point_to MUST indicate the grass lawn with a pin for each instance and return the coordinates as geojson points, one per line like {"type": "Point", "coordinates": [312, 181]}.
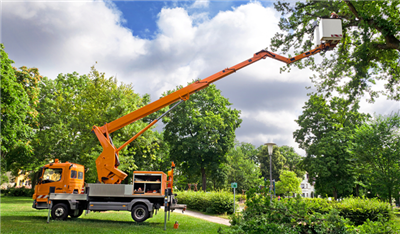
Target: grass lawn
{"type": "Point", "coordinates": [18, 216]}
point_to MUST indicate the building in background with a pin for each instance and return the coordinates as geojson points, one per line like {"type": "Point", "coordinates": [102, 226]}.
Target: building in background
{"type": "Point", "coordinates": [21, 180]}
{"type": "Point", "coordinates": [307, 187]}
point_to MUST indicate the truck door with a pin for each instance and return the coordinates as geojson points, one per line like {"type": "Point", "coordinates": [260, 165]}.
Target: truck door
{"type": "Point", "coordinates": [52, 177]}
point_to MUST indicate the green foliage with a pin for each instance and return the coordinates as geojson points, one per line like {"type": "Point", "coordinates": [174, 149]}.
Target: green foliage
{"type": "Point", "coordinates": [300, 215]}
{"type": "Point", "coordinates": [18, 114]}
{"type": "Point", "coordinates": [289, 183]}
{"type": "Point", "coordinates": [241, 167]}
{"type": "Point", "coordinates": [375, 147]}
{"type": "Point", "coordinates": [285, 216]}
{"type": "Point", "coordinates": [325, 129]}
{"type": "Point", "coordinates": [200, 131]}
{"type": "Point", "coordinates": [211, 202]}
{"type": "Point", "coordinates": [368, 52]}
{"type": "Point", "coordinates": [359, 210]}
{"type": "Point", "coordinates": [293, 160]}
{"type": "Point", "coordinates": [69, 107]}
{"type": "Point", "coordinates": [382, 226]}
{"type": "Point", "coordinates": [278, 162]}
{"type": "Point", "coordinates": [18, 192]}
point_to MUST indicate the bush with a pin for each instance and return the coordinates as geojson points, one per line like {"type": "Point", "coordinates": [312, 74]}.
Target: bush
{"type": "Point", "coordinates": [18, 192]}
{"type": "Point", "coordinates": [211, 202]}
{"type": "Point", "coordinates": [359, 210]}
{"type": "Point", "coordinates": [286, 216]}
{"type": "Point", "coordinates": [300, 215]}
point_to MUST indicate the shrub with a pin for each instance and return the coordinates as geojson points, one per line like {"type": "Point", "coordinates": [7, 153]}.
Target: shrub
{"type": "Point", "coordinates": [286, 216]}
{"type": "Point", "coordinates": [359, 210]}
{"type": "Point", "coordinates": [211, 202]}
{"type": "Point", "coordinates": [383, 225]}
{"type": "Point", "coordinates": [18, 192]}
{"type": "Point", "coordinates": [299, 215]}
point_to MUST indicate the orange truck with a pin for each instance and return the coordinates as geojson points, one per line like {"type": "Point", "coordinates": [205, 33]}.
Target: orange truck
{"type": "Point", "coordinates": [61, 188]}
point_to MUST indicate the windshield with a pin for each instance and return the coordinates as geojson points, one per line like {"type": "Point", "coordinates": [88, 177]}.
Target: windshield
{"type": "Point", "coordinates": [51, 175]}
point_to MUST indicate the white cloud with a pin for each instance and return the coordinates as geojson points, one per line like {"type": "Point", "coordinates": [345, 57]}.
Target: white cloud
{"type": "Point", "coordinates": [200, 4]}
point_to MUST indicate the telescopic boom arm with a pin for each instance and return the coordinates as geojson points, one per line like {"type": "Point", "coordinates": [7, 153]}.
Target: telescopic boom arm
{"type": "Point", "coordinates": [107, 163]}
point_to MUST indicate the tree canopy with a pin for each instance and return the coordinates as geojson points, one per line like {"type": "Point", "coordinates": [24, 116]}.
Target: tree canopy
{"type": "Point", "coordinates": [69, 107]}
{"type": "Point", "coordinates": [293, 160]}
{"type": "Point", "coordinates": [200, 131]}
{"type": "Point", "coordinates": [19, 99]}
{"type": "Point", "coordinates": [278, 162]}
{"type": "Point", "coordinates": [368, 53]}
{"type": "Point", "coordinates": [325, 130]}
{"type": "Point", "coordinates": [288, 184]}
{"type": "Point", "coordinates": [241, 168]}
{"type": "Point", "coordinates": [375, 147]}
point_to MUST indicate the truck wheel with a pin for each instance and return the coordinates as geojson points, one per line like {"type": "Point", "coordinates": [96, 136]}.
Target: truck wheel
{"type": "Point", "coordinates": [75, 213]}
{"type": "Point", "coordinates": [59, 212]}
{"type": "Point", "coordinates": [140, 213]}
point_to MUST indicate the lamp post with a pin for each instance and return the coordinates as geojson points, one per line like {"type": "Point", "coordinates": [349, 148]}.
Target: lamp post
{"type": "Point", "coordinates": [270, 149]}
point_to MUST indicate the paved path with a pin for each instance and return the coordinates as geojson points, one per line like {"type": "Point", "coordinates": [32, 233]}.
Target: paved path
{"type": "Point", "coordinates": [205, 217]}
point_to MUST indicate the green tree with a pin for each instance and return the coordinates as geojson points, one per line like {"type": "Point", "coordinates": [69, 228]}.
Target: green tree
{"type": "Point", "coordinates": [278, 162]}
{"type": "Point", "coordinates": [19, 98]}
{"type": "Point", "coordinates": [369, 50]}
{"type": "Point", "coordinates": [241, 167]}
{"type": "Point", "coordinates": [200, 132]}
{"type": "Point", "coordinates": [292, 160]}
{"type": "Point", "coordinates": [325, 130]}
{"type": "Point", "coordinates": [375, 146]}
{"type": "Point", "coordinates": [69, 107]}
{"type": "Point", "coordinates": [289, 183]}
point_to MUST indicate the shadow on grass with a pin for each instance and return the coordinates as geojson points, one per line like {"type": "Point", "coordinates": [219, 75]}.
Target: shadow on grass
{"type": "Point", "coordinates": [41, 219]}
{"type": "Point", "coordinates": [14, 200]}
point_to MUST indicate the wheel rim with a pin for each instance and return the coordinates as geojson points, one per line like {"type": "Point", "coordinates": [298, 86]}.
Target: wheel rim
{"type": "Point", "coordinates": [59, 212]}
{"type": "Point", "coordinates": [140, 213]}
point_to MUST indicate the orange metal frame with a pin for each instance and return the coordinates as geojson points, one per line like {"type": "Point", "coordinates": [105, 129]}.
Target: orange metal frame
{"type": "Point", "coordinates": [107, 163]}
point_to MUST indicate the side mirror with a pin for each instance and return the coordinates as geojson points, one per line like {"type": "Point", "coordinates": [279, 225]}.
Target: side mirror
{"type": "Point", "coordinates": [39, 180]}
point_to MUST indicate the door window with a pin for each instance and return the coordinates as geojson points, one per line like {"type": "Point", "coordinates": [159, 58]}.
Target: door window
{"type": "Point", "coordinates": [73, 174]}
{"type": "Point", "coordinates": [80, 175]}
{"type": "Point", "coordinates": [51, 175]}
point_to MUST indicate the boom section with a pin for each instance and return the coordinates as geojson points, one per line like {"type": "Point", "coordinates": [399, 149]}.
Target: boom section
{"type": "Point", "coordinates": [185, 92]}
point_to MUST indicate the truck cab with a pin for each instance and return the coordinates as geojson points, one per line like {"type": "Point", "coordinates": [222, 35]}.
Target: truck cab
{"type": "Point", "coordinates": [57, 177]}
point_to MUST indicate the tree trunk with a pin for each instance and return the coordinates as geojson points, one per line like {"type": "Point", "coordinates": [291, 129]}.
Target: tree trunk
{"type": "Point", "coordinates": [203, 178]}
{"type": "Point", "coordinates": [335, 193]}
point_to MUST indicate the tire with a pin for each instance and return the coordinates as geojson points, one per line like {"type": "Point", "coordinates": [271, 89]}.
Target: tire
{"type": "Point", "coordinates": [59, 212]}
{"type": "Point", "coordinates": [140, 213]}
{"type": "Point", "coordinates": [75, 213]}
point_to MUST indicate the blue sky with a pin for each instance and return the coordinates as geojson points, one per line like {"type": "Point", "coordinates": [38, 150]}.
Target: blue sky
{"type": "Point", "coordinates": [141, 16]}
{"type": "Point", "coordinates": [158, 45]}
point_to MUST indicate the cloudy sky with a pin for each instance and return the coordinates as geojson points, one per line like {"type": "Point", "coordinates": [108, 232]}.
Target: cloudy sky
{"type": "Point", "coordinates": [157, 45]}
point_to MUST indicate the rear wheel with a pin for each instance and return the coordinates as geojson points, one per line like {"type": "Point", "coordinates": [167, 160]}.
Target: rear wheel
{"type": "Point", "coordinates": [75, 213]}
{"type": "Point", "coordinates": [59, 212]}
{"type": "Point", "coordinates": [140, 213]}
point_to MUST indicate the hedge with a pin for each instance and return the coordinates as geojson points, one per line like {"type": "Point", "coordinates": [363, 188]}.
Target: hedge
{"type": "Point", "coordinates": [18, 192]}
{"type": "Point", "coordinates": [211, 202]}
{"type": "Point", "coordinates": [357, 210]}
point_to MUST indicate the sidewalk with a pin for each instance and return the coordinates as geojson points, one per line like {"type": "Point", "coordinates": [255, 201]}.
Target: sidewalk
{"type": "Point", "coordinates": [205, 217]}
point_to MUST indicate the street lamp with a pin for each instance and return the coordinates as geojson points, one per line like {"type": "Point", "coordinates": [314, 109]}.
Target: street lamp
{"type": "Point", "coordinates": [270, 149]}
